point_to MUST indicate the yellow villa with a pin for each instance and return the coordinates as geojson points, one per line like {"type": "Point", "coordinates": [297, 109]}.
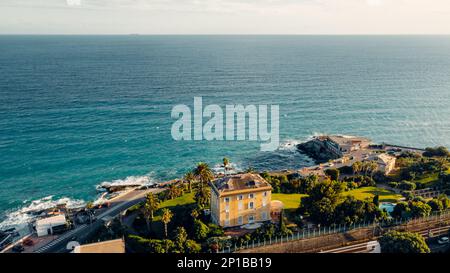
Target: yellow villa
{"type": "Point", "coordinates": [240, 199]}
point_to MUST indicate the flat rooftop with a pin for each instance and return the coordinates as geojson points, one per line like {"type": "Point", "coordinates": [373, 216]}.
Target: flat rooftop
{"type": "Point", "coordinates": [343, 140]}
{"type": "Point", "coordinates": [113, 246]}
{"type": "Point", "coordinates": [58, 219]}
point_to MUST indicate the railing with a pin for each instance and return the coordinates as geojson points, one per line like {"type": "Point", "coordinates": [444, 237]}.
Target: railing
{"type": "Point", "coordinates": [333, 229]}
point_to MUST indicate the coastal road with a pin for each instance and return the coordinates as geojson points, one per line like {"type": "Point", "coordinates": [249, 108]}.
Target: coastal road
{"type": "Point", "coordinates": [118, 205]}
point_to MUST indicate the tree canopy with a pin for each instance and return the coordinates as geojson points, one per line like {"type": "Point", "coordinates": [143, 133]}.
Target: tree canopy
{"type": "Point", "coordinates": [403, 242]}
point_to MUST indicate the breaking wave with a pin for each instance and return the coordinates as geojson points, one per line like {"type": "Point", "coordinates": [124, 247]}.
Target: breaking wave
{"type": "Point", "coordinates": [30, 210]}
{"type": "Point", "coordinates": [130, 181]}
{"type": "Point", "coordinates": [33, 209]}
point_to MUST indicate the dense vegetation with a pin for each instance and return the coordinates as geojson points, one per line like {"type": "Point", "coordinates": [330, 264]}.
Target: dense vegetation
{"type": "Point", "coordinates": [327, 205]}
{"type": "Point", "coordinates": [174, 219]}
{"type": "Point", "coordinates": [403, 242]}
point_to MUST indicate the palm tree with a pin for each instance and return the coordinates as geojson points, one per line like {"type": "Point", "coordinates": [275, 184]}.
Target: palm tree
{"type": "Point", "coordinates": [150, 206]}
{"type": "Point", "coordinates": [181, 238]}
{"type": "Point", "coordinates": [373, 166]}
{"type": "Point", "coordinates": [189, 178]}
{"type": "Point", "coordinates": [203, 174]}
{"type": "Point", "coordinates": [202, 196]}
{"type": "Point", "coordinates": [226, 162]}
{"type": "Point", "coordinates": [166, 218]}
{"type": "Point", "coordinates": [356, 167]}
{"type": "Point", "coordinates": [195, 213]}
{"type": "Point", "coordinates": [173, 191]}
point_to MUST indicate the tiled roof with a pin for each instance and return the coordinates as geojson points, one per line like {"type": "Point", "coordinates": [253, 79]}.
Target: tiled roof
{"type": "Point", "coordinates": [238, 182]}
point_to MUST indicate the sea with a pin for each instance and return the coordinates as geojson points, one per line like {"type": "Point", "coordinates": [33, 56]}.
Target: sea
{"type": "Point", "coordinates": [77, 111]}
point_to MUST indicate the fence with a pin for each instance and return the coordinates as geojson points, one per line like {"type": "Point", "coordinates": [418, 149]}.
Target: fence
{"type": "Point", "coordinates": [334, 229]}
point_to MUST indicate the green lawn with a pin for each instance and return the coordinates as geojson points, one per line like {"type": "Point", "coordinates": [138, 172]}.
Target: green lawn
{"type": "Point", "coordinates": [290, 201]}
{"type": "Point", "coordinates": [175, 205]}
{"type": "Point", "coordinates": [181, 208]}
{"type": "Point", "coordinates": [428, 180]}
{"type": "Point", "coordinates": [186, 199]}
{"type": "Point", "coordinates": [369, 192]}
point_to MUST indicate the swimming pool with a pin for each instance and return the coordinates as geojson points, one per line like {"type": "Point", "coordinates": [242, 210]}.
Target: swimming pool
{"type": "Point", "coordinates": [389, 207]}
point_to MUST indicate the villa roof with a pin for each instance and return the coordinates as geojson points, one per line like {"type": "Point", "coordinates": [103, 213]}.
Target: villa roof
{"type": "Point", "coordinates": [239, 182]}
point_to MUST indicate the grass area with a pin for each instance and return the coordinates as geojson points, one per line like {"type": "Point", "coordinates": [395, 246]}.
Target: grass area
{"type": "Point", "coordinates": [181, 208]}
{"type": "Point", "coordinates": [428, 180]}
{"type": "Point", "coordinates": [175, 205]}
{"type": "Point", "coordinates": [369, 192]}
{"type": "Point", "coordinates": [290, 201]}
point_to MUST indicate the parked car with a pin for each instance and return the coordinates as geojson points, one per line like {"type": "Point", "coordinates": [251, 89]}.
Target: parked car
{"type": "Point", "coordinates": [28, 242]}
{"type": "Point", "coordinates": [443, 241]}
{"type": "Point", "coordinates": [18, 248]}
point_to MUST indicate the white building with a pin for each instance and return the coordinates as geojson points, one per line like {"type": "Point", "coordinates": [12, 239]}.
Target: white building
{"type": "Point", "coordinates": [386, 163]}
{"type": "Point", "coordinates": [51, 225]}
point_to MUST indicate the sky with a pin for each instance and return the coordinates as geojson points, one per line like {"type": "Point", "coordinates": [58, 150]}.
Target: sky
{"type": "Point", "coordinates": [224, 17]}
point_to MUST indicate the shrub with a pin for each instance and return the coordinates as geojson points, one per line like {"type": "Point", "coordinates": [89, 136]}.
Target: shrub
{"type": "Point", "coordinates": [393, 184]}
{"type": "Point", "coordinates": [200, 230]}
{"type": "Point", "coordinates": [438, 151]}
{"type": "Point", "coordinates": [435, 204]}
{"type": "Point", "coordinates": [407, 186]}
{"type": "Point", "coordinates": [333, 174]}
{"type": "Point", "coordinates": [403, 242]}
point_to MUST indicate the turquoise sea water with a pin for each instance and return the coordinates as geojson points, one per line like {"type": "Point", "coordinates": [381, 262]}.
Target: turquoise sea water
{"type": "Point", "coordinates": [79, 110]}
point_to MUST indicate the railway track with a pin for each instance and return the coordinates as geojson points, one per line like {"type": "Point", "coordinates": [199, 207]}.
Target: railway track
{"type": "Point", "coordinates": [373, 246]}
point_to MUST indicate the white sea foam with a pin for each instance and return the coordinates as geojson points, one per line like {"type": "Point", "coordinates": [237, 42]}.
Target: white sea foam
{"type": "Point", "coordinates": [231, 169]}
{"type": "Point", "coordinates": [289, 145]}
{"type": "Point", "coordinates": [130, 181]}
{"type": "Point", "coordinates": [22, 216]}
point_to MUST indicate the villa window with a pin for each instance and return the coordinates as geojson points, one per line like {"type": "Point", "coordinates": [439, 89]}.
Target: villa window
{"type": "Point", "coordinates": [251, 205]}
{"type": "Point", "coordinates": [227, 219]}
{"type": "Point", "coordinates": [240, 220]}
{"type": "Point", "coordinates": [251, 196]}
{"type": "Point", "coordinates": [264, 202]}
{"type": "Point", "coordinates": [240, 197]}
{"type": "Point", "coordinates": [264, 215]}
{"type": "Point", "coordinates": [227, 199]}
{"type": "Point", "coordinates": [265, 194]}
{"type": "Point", "coordinates": [251, 219]}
